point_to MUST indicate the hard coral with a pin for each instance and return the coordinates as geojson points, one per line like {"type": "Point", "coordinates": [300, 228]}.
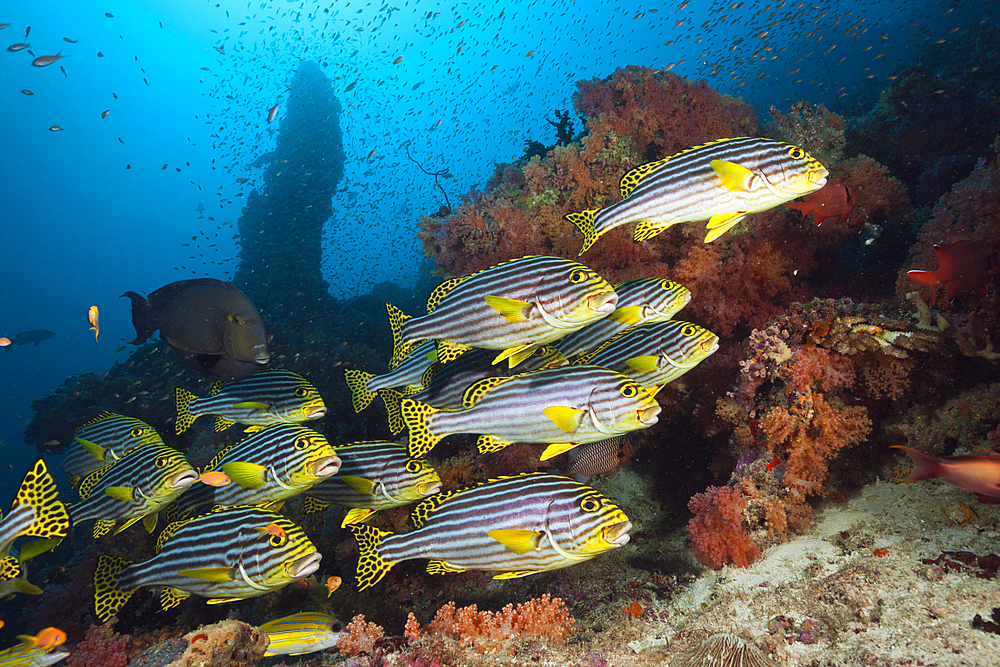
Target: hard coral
{"type": "Point", "coordinates": [717, 534]}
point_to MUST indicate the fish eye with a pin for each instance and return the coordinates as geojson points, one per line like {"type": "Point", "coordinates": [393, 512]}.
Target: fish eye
{"type": "Point", "coordinates": [413, 467]}
{"type": "Point", "coordinates": [162, 462]}
{"type": "Point", "coordinates": [590, 505]}
{"type": "Point", "coordinates": [301, 391]}
{"type": "Point", "coordinates": [630, 391]}
{"type": "Point", "coordinates": [278, 540]}
{"type": "Point", "coordinates": [578, 276]}
{"type": "Point", "coordinates": [335, 627]}
{"type": "Point", "coordinates": [136, 432]}
{"type": "Point", "coordinates": [689, 330]}
{"type": "Point", "coordinates": [301, 443]}
{"type": "Point", "coordinates": [796, 153]}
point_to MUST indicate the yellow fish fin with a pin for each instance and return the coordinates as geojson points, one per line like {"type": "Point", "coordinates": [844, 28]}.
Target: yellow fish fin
{"type": "Point", "coordinates": [311, 506]}
{"type": "Point", "coordinates": [212, 575]}
{"type": "Point", "coordinates": [38, 490]}
{"type": "Point", "coordinates": [720, 224]}
{"type": "Point", "coordinates": [417, 417]}
{"type": "Point", "coordinates": [516, 574]}
{"type": "Point", "coordinates": [556, 449]}
{"type": "Point", "coordinates": [359, 484]}
{"type": "Point", "coordinates": [92, 448]}
{"type": "Point", "coordinates": [632, 178]}
{"type": "Point", "coordinates": [103, 527]}
{"type": "Point", "coordinates": [247, 475]}
{"type": "Point", "coordinates": [441, 567]}
{"type": "Point", "coordinates": [120, 493]}
{"type": "Point", "coordinates": [19, 585]}
{"type": "Point", "coordinates": [253, 429]}
{"type": "Point", "coordinates": [584, 221]}
{"type": "Point", "coordinates": [392, 400]}
{"type": "Point", "coordinates": [520, 354]}
{"type": "Point", "coordinates": [357, 382]}
{"type": "Point", "coordinates": [221, 424]}
{"type": "Point", "coordinates": [490, 443]}
{"type": "Point", "coordinates": [371, 566]}
{"type": "Point", "coordinates": [643, 364]}
{"type": "Point", "coordinates": [442, 290]}
{"type": "Point", "coordinates": [566, 418]}
{"type": "Point", "coordinates": [449, 351]}
{"type": "Point", "coordinates": [356, 515]}
{"type": "Point", "coordinates": [222, 600]}
{"type": "Point", "coordinates": [734, 177]}
{"type": "Point", "coordinates": [216, 387]}
{"type": "Point", "coordinates": [626, 315]}
{"type": "Point", "coordinates": [130, 522]}
{"type": "Point", "coordinates": [149, 521]}
{"type": "Point", "coordinates": [33, 548]}
{"type": "Point", "coordinates": [512, 310]}
{"type": "Point", "coordinates": [252, 405]}
{"type": "Point", "coordinates": [518, 541]}
{"type": "Point", "coordinates": [480, 388]}
{"type": "Point", "coordinates": [399, 349]}
{"type": "Point", "coordinates": [183, 399]}
{"type": "Point", "coordinates": [171, 597]}
{"type": "Point", "coordinates": [108, 597]}
{"type": "Point", "coordinates": [647, 229]}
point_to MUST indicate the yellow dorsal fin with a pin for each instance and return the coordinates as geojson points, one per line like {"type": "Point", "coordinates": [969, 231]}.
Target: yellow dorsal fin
{"type": "Point", "coordinates": [566, 418]}
{"type": "Point", "coordinates": [734, 177]}
{"type": "Point", "coordinates": [631, 179]}
{"type": "Point", "coordinates": [478, 389]}
{"type": "Point", "coordinates": [247, 475]}
{"type": "Point", "coordinates": [90, 481]}
{"type": "Point", "coordinates": [428, 505]}
{"type": "Point", "coordinates": [442, 290]}
{"type": "Point", "coordinates": [512, 310]}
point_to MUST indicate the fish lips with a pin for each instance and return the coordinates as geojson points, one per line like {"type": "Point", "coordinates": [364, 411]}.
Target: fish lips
{"type": "Point", "coordinates": [429, 489]}
{"type": "Point", "coordinates": [649, 415]}
{"type": "Point", "coordinates": [316, 413]}
{"type": "Point", "coordinates": [183, 479]}
{"type": "Point", "coordinates": [303, 567]}
{"type": "Point", "coordinates": [604, 302]}
{"type": "Point", "coordinates": [326, 466]}
{"type": "Point", "coordinates": [617, 534]}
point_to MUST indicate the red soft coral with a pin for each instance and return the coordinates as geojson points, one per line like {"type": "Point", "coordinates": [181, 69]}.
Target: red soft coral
{"type": "Point", "coordinates": [716, 530]}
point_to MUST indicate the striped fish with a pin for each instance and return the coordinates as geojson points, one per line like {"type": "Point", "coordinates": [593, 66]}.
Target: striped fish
{"type": "Point", "coordinates": [515, 307]}
{"type": "Point", "coordinates": [515, 526]}
{"type": "Point", "coordinates": [408, 376]}
{"type": "Point", "coordinates": [305, 632]}
{"type": "Point", "coordinates": [656, 353]}
{"type": "Point", "coordinates": [266, 469]}
{"type": "Point", "coordinates": [446, 383]}
{"type": "Point", "coordinates": [225, 555]}
{"type": "Point", "coordinates": [722, 181]}
{"type": "Point", "coordinates": [639, 301]}
{"type": "Point", "coordinates": [265, 398]}
{"type": "Point", "coordinates": [103, 440]}
{"type": "Point", "coordinates": [143, 482]}
{"type": "Point", "coordinates": [600, 458]}
{"type": "Point", "coordinates": [374, 476]}
{"type": "Point", "coordinates": [24, 655]}
{"type": "Point", "coordinates": [564, 407]}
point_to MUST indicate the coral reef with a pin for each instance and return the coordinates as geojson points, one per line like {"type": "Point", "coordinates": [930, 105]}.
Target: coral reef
{"type": "Point", "coordinates": [717, 533]}
{"type": "Point", "coordinates": [541, 618]}
{"type": "Point", "coordinates": [359, 636]}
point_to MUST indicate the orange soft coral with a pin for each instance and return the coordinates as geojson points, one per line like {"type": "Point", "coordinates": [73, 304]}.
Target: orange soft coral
{"type": "Point", "coordinates": [717, 534]}
{"type": "Point", "coordinates": [540, 618]}
{"type": "Point", "coordinates": [359, 636]}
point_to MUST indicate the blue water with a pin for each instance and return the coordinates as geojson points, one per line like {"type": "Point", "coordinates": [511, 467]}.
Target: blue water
{"type": "Point", "coordinates": [79, 227]}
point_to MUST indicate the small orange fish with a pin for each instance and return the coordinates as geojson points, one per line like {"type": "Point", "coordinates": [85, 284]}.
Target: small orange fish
{"type": "Point", "coordinates": [214, 478]}
{"type": "Point", "coordinates": [47, 639]}
{"type": "Point", "coordinates": [92, 315]}
{"type": "Point", "coordinates": [975, 473]}
{"type": "Point", "coordinates": [332, 584]}
{"type": "Point", "coordinates": [4, 342]}
{"type": "Point", "coordinates": [529, 54]}
{"type": "Point", "coordinates": [370, 155]}
{"type": "Point", "coordinates": [273, 529]}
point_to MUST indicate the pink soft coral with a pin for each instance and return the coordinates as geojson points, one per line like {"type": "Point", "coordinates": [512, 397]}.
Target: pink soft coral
{"type": "Point", "coordinates": [717, 534]}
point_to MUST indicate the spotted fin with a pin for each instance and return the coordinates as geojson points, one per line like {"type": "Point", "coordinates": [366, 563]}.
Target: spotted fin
{"type": "Point", "coordinates": [171, 597]}
{"type": "Point", "coordinates": [216, 387]}
{"type": "Point", "coordinates": [449, 351]}
{"type": "Point", "coordinates": [311, 506]}
{"type": "Point", "coordinates": [441, 567]}
{"type": "Point", "coordinates": [647, 229]}
{"type": "Point", "coordinates": [221, 424]}
{"type": "Point", "coordinates": [518, 541]}
{"type": "Point", "coordinates": [38, 490]}
{"type": "Point", "coordinates": [490, 443]}
{"type": "Point", "coordinates": [442, 290]}
{"type": "Point", "coordinates": [108, 598]}
{"type": "Point", "coordinates": [357, 382]}
{"type": "Point", "coordinates": [632, 178]}
{"type": "Point", "coordinates": [183, 399]}
{"type": "Point", "coordinates": [584, 221]}
{"type": "Point", "coordinates": [371, 566]}
{"type": "Point", "coordinates": [103, 527]}
{"type": "Point", "coordinates": [399, 349]}
{"type": "Point", "coordinates": [480, 388]}
{"type": "Point", "coordinates": [417, 415]}
{"type": "Point", "coordinates": [392, 401]}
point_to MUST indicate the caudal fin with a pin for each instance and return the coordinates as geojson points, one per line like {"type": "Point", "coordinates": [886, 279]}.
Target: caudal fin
{"type": "Point", "coordinates": [584, 221]}
{"type": "Point", "coordinates": [38, 491]}
{"type": "Point", "coordinates": [357, 382]}
{"type": "Point", "coordinates": [108, 597]}
{"type": "Point", "coordinates": [924, 467]}
{"type": "Point", "coordinates": [184, 417]}
{"type": "Point", "coordinates": [141, 317]}
{"type": "Point", "coordinates": [371, 566]}
{"type": "Point", "coordinates": [416, 416]}
{"type": "Point", "coordinates": [926, 278]}
{"type": "Point", "coordinates": [399, 348]}
{"type": "Point", "coordinates": [393, 399]}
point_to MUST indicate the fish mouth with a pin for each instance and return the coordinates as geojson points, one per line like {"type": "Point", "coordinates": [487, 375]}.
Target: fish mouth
{"type": "Point", "coordinates": [183, 479]}
{"type": "Point", "coordinates": [303, 567]}
{"type": "Point", "coordinates": [429, 489]}
{"type": "Point", "coordinates": [617, 534]}
{"type": "Point", "coordinates": [316, 413]}
{"type": "Point", "coordinates": [262, 358]}
{"type": "Point", "coordinates": [605, 302]}
{"type": "Point", "coordinates": [326, 466]}
{"type": "Point", "coordinates": [649, 415]}
{"type": "Point", "coordinates": [819, 176]}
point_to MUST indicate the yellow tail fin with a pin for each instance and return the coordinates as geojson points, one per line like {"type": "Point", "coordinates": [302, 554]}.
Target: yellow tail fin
{"type": "Point", "coordinates": [184, 416]}
{"type": "Point", "coordinates": [108, 597]}
{"type": "Point", "coordinates": [416, 416]}
{"type": "Point", "coordinates": [38, 490]}
{"type": "Point", "coordinates": [399, 348]}
{"type": "Point", "coordinates": [357, 382]}
{"type": "Point", "coordinates": [392, 400]}
{"type": "Point", "coordinates": [371, 567]}
{"type": "Point", "coordinates": [584, 221]}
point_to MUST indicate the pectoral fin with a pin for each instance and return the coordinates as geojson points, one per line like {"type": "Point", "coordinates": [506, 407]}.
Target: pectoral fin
{"type": "Point", "coordinates": [120, 493]}
{"type": "Point", "coordinates": [627, 315]}
{"type": "Point", "coordinates": [516, 355]}
{"type": "Point", "coordinates": [734, 177]}
{"type": "Point", "coordinates": [720, 224]}
{"type": "Point", "coordinates": [566, 418]}
{"type": "Point", "coordinates": [359, 484]}
{"type": "Point", "coordinates": [512, 310]}
{"type": "Point", "coordinates": [247, 475]}
{"type": "Point", "coordinates": [356, 515]}
{"type": "Point", "coordinates": [92, 448]}
{"type": "Point", "coordinates": [518, 541]}
{"type": "Point", "coordinates": [644, 364]}
{"type": "Point", "coordinates": [212, 575]}
{"type": "Point", "coordinates": [252, 405]}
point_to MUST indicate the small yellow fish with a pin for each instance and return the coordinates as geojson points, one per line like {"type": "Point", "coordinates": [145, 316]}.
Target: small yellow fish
{"type": "Point", "coordinates": [47, 639]}
{"type": "Point", "coordinates": [214, 478]}
{"type": "Point", "coordinates": [92, 315]}
{"type": "Point", "coordinates": [332, 584]}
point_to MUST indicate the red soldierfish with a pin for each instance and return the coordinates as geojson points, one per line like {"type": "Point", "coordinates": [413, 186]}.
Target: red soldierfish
{"type": "Point", "coordinates": [272, 113]}
{"type": "Point", "coordinates": [832, 200]}
{"type": "Point", "coordinates": [976, 473]}
{"type": "Point", "coordinates": [962, 267]}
